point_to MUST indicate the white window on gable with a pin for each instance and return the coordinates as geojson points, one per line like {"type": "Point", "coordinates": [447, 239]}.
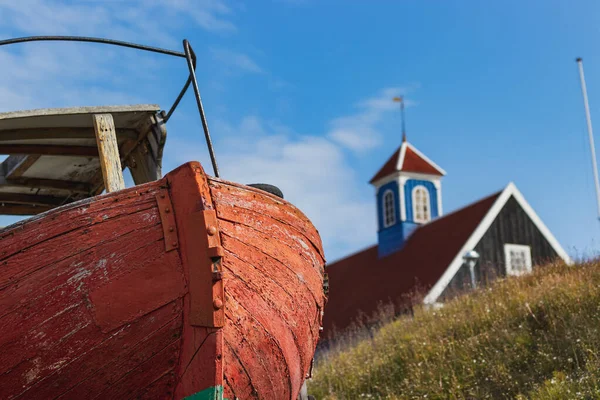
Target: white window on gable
{"type": "Point", "coordinates": [420, 204]}
{"type": "Point", "coordinates": [389, 209]}
{"type": "Point", "coordinates": [517, 258]}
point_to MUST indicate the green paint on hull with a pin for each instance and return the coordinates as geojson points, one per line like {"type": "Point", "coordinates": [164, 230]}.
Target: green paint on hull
{"type": "Point", "coordinates": [213, 393]}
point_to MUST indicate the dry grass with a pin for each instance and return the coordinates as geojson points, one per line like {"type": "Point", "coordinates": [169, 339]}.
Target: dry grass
{"type": "Point", "coordinates": [534, 337]}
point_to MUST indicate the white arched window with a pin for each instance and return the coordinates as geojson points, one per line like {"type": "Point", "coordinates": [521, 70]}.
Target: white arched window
{"type": "Point", "coordinates": [389, 209]}
{"type": "Point", "coordinates": [420, 204]}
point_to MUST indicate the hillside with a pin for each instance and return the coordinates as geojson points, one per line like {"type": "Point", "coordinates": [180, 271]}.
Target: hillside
{"type": "Point", "coordinates": [534, 337]}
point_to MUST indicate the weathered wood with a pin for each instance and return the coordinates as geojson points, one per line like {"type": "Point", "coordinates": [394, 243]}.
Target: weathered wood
{"type": "Point", "coordinates": [31, 199]}
{"type": "Point", "coordinates": [99, 362]}
{"type": "Point", "coordinates": [18, 165]}
{"type": "Point", "coordinates": [36, 183]}
{"type": "Point", "coordinates": [273, 256]}
{"type": "Point", "coordinates": [255, 201]}
{"type": "Point", "coordinates": [285, 256]}
{"type": "Point", "coordinates": [144, 165]}
{"type": "Point", "coordinates": [108, 150]}
{"type": "Point", "coordinates": [144, 157]}
{"type": "Point", "coordinates": [52, 150]}
{"type": "Point", "coordinates": [256, 348]}
{"type": "Point", "coordinates": [19, 209]}
{"type": "Point", "coordinates": [99, 308]}
{"type": "Point", "coordinates": [291, 320]}
{"type": "Point", "coordinates": [201, 362]}
{"type": "Point", "coordinates": [54, 291]}
{"type": "Point", "coordinates": [74, 115]}
{"type": "Point", "coordinates": [237, 382]}
{"type": "Point", "coordinates": [60, 133]}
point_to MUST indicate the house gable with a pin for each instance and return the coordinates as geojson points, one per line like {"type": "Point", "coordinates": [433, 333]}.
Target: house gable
{"type": "Point", "coordinates": [497, 232]}
{"type": "Point", "coordinates": [511, 226]}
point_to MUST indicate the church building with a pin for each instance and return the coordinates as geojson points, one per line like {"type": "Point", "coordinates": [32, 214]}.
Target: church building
{"type": "Point", "coordinates": [421, 250]}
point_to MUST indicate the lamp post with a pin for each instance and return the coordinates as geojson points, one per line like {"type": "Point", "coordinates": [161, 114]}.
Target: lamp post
{"type": "Point", "coordinates": [471, 258]}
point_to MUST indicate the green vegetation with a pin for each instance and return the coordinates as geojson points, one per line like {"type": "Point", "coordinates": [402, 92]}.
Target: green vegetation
{"type": "Point", "coordinates": [533, 337]}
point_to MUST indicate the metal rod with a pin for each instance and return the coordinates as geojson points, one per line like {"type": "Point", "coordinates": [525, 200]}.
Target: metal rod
{"type": "Point", "coordinates": [472, 273]}
{"type": "Point", "coordinates": [188, 54]}
{"type": "Point", "coordinates": [402, 116]}
{"type": "Point", "coordinates": [178, 99]}
{"type": "Point", "coordinates": [92, 40]}
{"type": "Point", "coordinates": [590, 131]}
{"type": "Point", "coordinates": [191, 57]}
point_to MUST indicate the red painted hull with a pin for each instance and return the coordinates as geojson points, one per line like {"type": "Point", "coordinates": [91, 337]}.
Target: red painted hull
{"type": "Point", "coordinates": [106, 298]}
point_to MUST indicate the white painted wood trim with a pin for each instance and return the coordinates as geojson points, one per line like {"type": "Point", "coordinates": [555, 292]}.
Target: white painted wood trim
{"type": "Point", "coordinates": [383, 209]}
{"type": "Point", "coordinates": [435, 179]}
{"type": "Point", "coordinates": [541, 226]}
{"type": "Point", "coordinates": [508, 247]}
{"type": "Point", "coordinates": [387, 179]}
{"type": "Point", "coordinates": [424, 177]}
{"type": "Point", "coordinates": [510, 190]}
{"type": "Point", "coordinates": [438, 189]}
{"type": "Point", "coordinates": [401, 183]}
{"type": "Point", "coordinates": [414, 204]}
{"type": "Point", "coordinates": [401, 156]}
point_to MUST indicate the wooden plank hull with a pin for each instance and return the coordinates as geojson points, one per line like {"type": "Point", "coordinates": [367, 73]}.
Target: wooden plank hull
{"type": "Point", "coordinates": [108, 298]}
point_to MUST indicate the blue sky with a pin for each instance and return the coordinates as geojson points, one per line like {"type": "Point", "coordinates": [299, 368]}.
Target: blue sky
{"type": "Point", "coordinates": [298, 94]}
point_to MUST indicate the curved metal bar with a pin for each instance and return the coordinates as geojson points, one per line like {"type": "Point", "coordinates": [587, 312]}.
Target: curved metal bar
{"type": "Point", "coordinates": [191, 61]}
{"type": "Point", "coordinates": [178, 99]}
{"type": "Point", "coordinates": [188, 54]}
{"type": "Point", "coordinates": [92, 40]}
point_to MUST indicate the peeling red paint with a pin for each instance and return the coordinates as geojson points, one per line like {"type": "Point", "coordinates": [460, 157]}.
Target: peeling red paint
{"type": "Point", "coordinates": [98, 308]}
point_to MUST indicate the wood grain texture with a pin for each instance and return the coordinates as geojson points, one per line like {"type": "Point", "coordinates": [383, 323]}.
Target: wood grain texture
{"type": "Point", "coordinates": [274, 268]}
{"type": "Point", "coordinates": [108, 151]}
{"type": "Point", "coordinates": [201, 360]}
{"type": "Point", "coordinates": [98, 309]}
{"type": "Point", "coordinates": [72, 288]}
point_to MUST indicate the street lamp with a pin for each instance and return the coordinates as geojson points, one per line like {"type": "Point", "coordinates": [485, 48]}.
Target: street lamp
{"type": "Point", "coordinates": [471, 258]}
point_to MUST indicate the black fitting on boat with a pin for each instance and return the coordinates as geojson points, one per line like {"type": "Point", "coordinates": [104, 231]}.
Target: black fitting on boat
{"type": "Point", "coordinates": [268, 188]}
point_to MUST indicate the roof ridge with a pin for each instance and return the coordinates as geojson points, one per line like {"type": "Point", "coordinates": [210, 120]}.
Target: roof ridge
{"type": "Point", "coordinates": [496, 194]}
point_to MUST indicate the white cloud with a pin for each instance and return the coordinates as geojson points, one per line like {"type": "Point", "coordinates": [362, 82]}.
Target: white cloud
{"type": "Point", "coordinates": [358, 132]}
{"type": "Point", "coordinates": [312, 172]}
{"type": "Point", "coordinates": [135, 19]}
{"type": "Point", "coordinates": [311, 168]}
{"type": "Point", "coordinates": [235, 59]}
{"type": "Point", "coordinates": [50, 75]}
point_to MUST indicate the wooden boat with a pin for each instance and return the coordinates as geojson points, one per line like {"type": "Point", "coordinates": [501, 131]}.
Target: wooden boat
{"type": "Point", "coordinates": [183, 286]}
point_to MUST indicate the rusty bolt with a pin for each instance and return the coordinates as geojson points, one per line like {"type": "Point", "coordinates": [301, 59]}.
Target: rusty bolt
{"type": "Point", "coordinates": [167, 209]}
{"type": "Point", "coordinates": [162, 195]}
{"type": "Point", "coordinates": [218, 304]}
{"type": "Point", "coordinates": [212, 230]}
{"type": "Point", "coordinates": [174, 243]}
{"type": "Point", "coordinates": [171, 229]}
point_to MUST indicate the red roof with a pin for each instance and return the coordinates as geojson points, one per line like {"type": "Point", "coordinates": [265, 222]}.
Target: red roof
{"type": "Point", "coordinates": [389, 167]}
{"type": "Point", "coordinates": [409, 160]}
{"type": "Point", "coordinates": [361, 282]}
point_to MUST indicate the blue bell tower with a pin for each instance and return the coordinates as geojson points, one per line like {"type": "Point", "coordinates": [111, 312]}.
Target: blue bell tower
{"type": "Point", "coordinates": [408, 192]}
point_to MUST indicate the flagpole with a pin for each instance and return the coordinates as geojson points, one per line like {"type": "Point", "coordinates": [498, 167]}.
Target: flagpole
{"type": "Point", "coordinates": [590, 131]}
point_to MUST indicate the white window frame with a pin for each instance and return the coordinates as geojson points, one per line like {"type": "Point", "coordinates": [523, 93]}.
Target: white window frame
{"type": "Point", "coordinates": [387, 222]}
{"type": "Point", "coordinates": [510, 247]}
{"type": "Point", "coordinates": [427, 202]}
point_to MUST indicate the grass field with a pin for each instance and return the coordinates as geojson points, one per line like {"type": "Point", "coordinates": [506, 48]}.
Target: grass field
{"type": "Point", "coordinates": [533, 337]}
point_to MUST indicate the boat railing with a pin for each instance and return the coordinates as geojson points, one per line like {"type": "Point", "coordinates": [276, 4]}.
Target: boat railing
{"type": "Point", "coordinates": [188, 54]}
{"type": "Point", "coordinates": [57, 156]}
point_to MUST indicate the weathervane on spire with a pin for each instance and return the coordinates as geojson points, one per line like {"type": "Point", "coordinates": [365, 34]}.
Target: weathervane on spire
{"type": "Point", "coordinates": [401, 101]}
